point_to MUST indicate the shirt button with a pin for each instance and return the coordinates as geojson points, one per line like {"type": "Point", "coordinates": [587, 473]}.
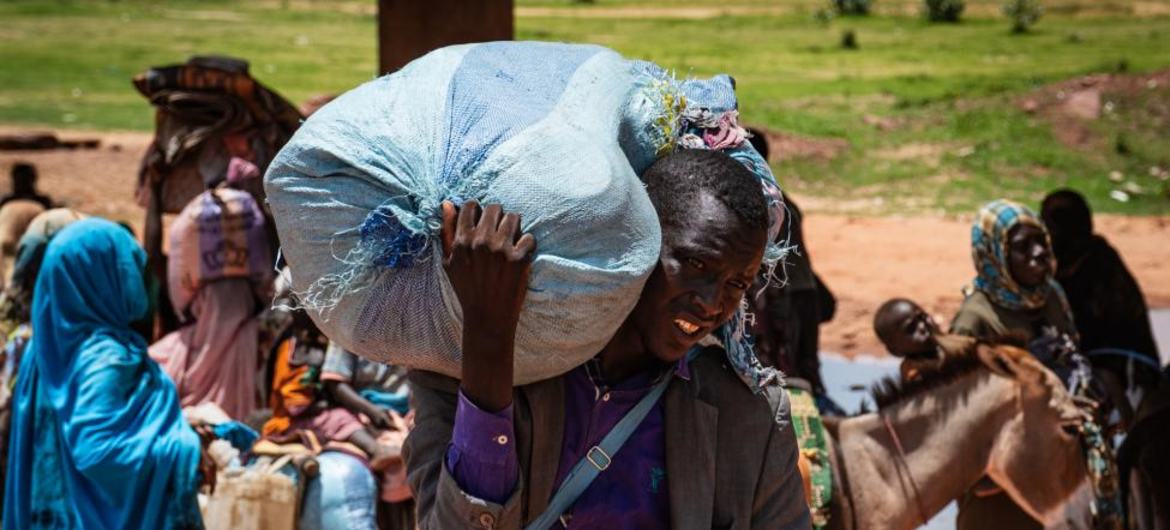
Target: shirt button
{"type": "Point", "coordinates": [502, 440]}
{"type": "Point", "coordinates": [487, 520]}
{"type": "Point", "coordinates": [605, 397]}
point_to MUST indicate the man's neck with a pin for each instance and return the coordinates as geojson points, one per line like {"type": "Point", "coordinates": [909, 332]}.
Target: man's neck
{"type": "Point", "coordinates": [625, 355]}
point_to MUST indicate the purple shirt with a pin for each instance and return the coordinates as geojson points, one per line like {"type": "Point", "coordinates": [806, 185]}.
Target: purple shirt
{"type": "Point", "coordinates": [631, 493]}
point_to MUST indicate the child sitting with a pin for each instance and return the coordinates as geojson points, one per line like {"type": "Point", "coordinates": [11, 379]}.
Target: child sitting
{"type": "Point", "coordinates": [297, 408]}
{"type": "Point", "coordinates": [910, 333]}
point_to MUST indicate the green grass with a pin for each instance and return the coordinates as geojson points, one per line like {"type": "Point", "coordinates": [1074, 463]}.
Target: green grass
{"type": "Point", "coordinates": [952, 88]}
{"type": "Point", "coordinates": [70, 63]}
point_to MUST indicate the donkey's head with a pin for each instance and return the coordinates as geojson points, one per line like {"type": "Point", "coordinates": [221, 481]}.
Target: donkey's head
{"type": "Point", "coordinates": [1037, 455]}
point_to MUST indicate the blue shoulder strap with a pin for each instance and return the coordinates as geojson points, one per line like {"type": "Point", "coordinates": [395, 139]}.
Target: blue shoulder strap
{"type": "Point", "coordinates": [599, 457]}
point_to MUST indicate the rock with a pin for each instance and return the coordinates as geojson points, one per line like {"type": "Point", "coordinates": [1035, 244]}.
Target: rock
{"type": "Point", "coordinates": [879, 122]}
{"type": "Point", "coordinates": [1084, 104]}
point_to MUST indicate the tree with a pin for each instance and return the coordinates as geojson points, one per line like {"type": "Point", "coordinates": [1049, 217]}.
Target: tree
{"type": "Point", "coordinates": [1024, 13]}
{"type": "Point", "coordinates": [944, 10]}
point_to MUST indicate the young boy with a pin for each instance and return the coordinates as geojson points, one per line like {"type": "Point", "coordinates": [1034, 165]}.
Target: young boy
{"type": "Point", "coordinates": [910, 333]}
{"type": "Point", "coordinates": [710, 452]}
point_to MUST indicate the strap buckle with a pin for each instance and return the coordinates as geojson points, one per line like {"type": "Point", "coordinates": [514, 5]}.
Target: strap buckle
{"type": "Point", "coordinates": [598, 457]}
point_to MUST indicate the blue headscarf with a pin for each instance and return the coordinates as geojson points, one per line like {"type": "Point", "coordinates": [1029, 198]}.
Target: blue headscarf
{"type": "Point", "coordinates": [989, 250]}
{"type": "Point", "coordinates": [98, 439]}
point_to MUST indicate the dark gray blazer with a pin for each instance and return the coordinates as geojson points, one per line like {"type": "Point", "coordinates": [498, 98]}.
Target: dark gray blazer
{"type": "Point", "coordinates": [730, 454]}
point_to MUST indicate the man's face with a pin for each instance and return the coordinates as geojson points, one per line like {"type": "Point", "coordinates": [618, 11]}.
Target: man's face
{"type": "Point", "coordinates": [708, 261]}
{"type": "Point", "coordinates": [1029, 258]}
{"type": "Point", "coordinates": [909, 331]}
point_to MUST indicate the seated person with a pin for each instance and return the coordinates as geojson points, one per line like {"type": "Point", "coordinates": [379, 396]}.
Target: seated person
{"type": "Point", "coordinates": [98, 439]}
{"type": "Point", "coordinates": [1106, 301]}
{"type": "Point", "coordinates": [299, 414]}
{"type": "Point", "coordinates": [364, 386]}
{"type": "Point", "coordinates": [24, 186]}
{"type": "Point", "coordinates": [485, 455]}
{"type": "Point", "coordinates": [910, 333]}
{"type": "Point", "coordinates": [1014, 293]}
{"type": "Point", "coordinates": [376, 393]}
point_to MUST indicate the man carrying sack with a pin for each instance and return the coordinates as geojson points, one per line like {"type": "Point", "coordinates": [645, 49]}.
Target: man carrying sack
{"type": "Point", "coordinates": [656, 431]}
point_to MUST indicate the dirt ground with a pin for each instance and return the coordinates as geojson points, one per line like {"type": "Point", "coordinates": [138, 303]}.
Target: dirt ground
{"type": "Point", "coordinates": [95, 181]}
{"type": "Point", "coordinates": [864, 260]}
{"type": "Point", "coordinates": [867, 260]}
{"type": "Point", "coordinates": [1071, 106]}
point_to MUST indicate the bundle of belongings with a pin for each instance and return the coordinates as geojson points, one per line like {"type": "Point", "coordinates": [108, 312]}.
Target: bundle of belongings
{"type": "Point", "coordinates": [556, 133]}
{"type": "Point", "coordinates": [213, 122]}
{"type": "Point", "coordinates": [219, 275]}
{"type": "Point", "coordinates": [219, 235]}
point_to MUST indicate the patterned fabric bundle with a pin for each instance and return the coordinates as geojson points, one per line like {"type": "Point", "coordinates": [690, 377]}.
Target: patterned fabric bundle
{"type": "Point", "coordinates": [814, 454]}
{"type": "Point", "coordinates": [709, 120]}
{"type": "Point", "coordinates": [208, 110]}
{"type": "Point", "coordinates": [989, 249]}
{"type": "Point", "coordinates": [557, 133]}
{"type": "Point", "coordinates": [219, 235]}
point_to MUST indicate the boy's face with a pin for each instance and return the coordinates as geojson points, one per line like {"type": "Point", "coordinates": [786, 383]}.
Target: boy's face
{"type": "Point", "coordinates": [708, 261]}
{"type": "Point", "coordinates": [908, 331]}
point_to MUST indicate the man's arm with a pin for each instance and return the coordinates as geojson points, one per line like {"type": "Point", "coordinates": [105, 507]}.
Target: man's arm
{"type": "Point", "coordinates": [442, 503]}
{"type": "Point", "coordinates": [779, 501]}
{"type": "Point", "coordinates": [462, 458]}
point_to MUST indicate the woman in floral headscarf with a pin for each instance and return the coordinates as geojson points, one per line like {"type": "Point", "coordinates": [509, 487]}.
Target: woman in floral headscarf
{"type": "Point", "coordinates": [1014, 293]}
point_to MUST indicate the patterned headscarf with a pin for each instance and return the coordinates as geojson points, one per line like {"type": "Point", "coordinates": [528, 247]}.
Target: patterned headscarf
{"type": "Point", "coordinates": [989, 249]}
{"type": "Point", "coordinates": [709, 119]}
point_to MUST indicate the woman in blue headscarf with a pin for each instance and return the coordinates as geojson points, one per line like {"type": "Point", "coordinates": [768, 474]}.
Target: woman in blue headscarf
{"type": "Point", "coordinates": [1014, 291]}
{"type": "Point", "coordinates": [98, 439]}
{"type": "Point", "coordinates": [1014, 294]}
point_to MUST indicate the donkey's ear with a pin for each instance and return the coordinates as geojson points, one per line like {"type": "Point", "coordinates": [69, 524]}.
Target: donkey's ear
{"type": "Point", "coordinates": [995, 360]}
{"type": "Point", "coordinates": [1010, 361]}
{"type": "Point", "coordinates": [1026, 368]}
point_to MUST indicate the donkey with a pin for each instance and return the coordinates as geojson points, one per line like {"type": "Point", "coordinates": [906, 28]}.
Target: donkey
{"type": "Point", "coordinates": [998, 413]}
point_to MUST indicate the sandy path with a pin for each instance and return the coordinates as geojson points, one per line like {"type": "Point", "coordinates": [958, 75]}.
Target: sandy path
{"type": "Point", "coordinates": [96, 181]}
{"type": "Point", "coordinates": [864, 260]}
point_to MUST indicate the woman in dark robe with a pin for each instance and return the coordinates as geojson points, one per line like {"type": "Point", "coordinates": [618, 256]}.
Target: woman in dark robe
{"type": "Point", "coordinates": [1106, 302]}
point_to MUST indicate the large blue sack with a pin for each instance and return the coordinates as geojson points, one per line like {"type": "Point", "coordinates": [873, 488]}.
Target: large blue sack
{"type": "Point", "coordinates": [555, 132]}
